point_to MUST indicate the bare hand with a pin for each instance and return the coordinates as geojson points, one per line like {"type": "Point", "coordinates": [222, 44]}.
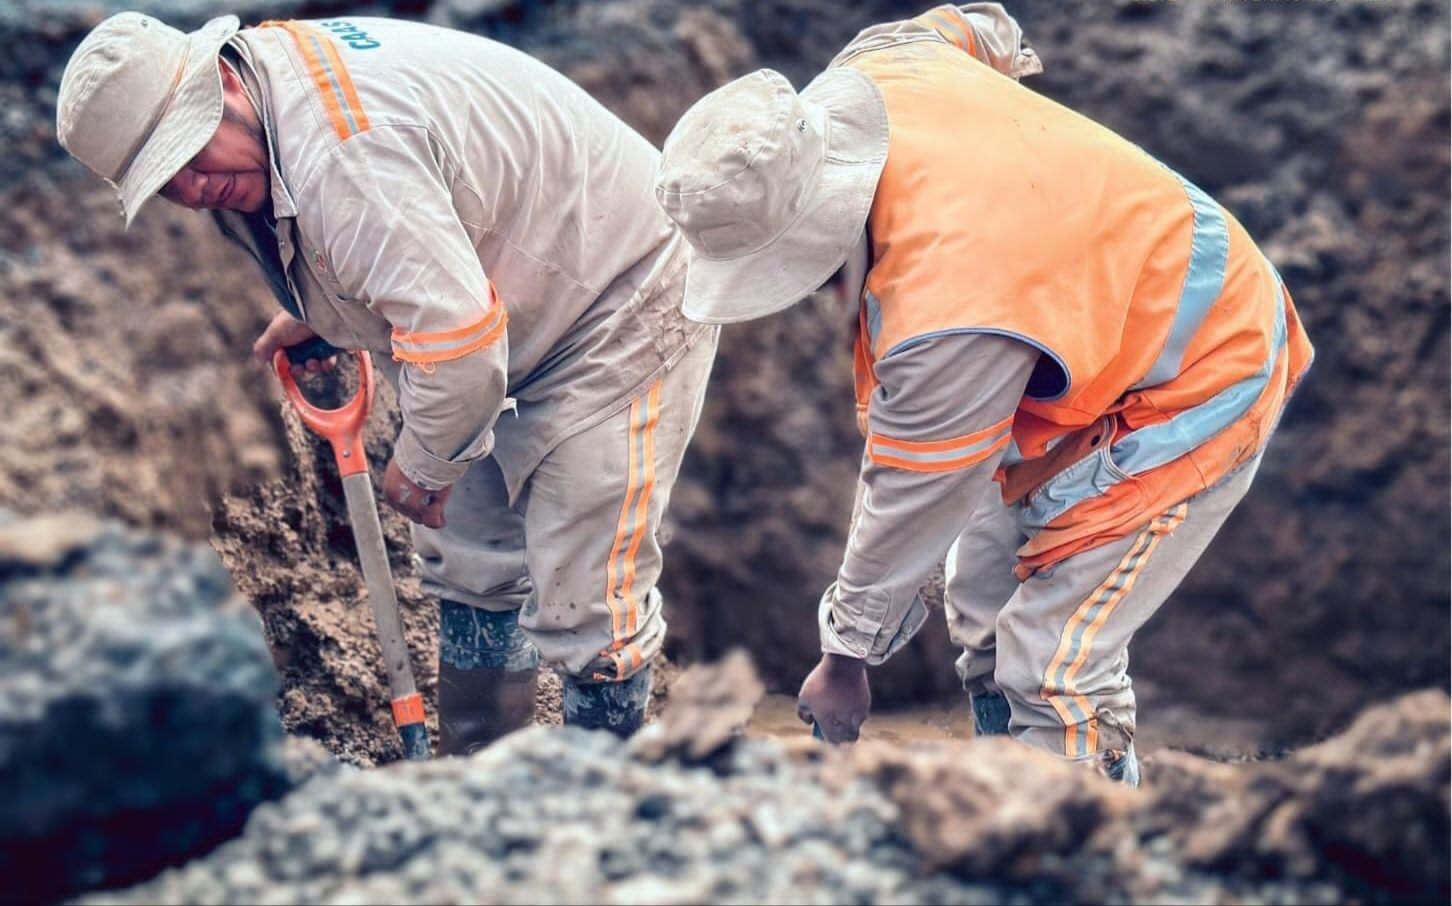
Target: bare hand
{"type": "Point", "coordinates": [836, 697]}
{"type": "Point", "coordinates": [285, 331]}
{"type": "Point", "coordinates": [419, 504]}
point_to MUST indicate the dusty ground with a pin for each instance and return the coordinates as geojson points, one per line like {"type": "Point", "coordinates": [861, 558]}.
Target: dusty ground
{"type": "Point", "coordinates": [1323, 126]}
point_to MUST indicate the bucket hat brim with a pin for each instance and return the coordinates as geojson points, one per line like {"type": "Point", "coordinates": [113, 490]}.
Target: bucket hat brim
{"type": "Point", "coordinates": [188, 122]}
{"type": "Point", "coordinates": [849, 109]}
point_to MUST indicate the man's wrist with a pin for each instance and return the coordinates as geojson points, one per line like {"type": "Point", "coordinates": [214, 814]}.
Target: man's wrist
{"type": "Point", "coordinates": [843, 663]}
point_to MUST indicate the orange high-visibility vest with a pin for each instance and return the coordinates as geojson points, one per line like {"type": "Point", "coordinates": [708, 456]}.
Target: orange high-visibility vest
{"type": "Point", "coordinates": [1169, 344]}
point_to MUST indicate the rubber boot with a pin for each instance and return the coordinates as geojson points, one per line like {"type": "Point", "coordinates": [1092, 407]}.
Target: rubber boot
{"type": "Point", "coordinates": [990, 713]}
{"type": "Point", "coordinates": [617, 707]}
{"type": "Point", "coordinates": [488, 672]}
{"type": "Point", "coordinates": [1122, 766]}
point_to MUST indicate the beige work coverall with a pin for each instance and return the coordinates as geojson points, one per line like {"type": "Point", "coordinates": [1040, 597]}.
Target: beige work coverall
{"type": "Point", "coordinates": [452, 203]}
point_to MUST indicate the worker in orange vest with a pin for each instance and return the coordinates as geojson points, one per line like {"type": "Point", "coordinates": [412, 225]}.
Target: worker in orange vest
{"type": "Point", "coordinates": [1039, 303]}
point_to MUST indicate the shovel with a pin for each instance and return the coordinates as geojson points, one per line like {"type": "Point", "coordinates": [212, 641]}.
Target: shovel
{"type": "Point", "coordinates": [343, 428]}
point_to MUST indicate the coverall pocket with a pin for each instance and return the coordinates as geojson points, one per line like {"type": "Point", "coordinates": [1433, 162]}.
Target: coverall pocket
{"type": "Point", "coordinates": [1090, 477]}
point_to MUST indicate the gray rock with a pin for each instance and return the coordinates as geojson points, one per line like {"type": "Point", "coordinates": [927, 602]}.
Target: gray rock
{"type": "Point", "coordinates": [137, 726]}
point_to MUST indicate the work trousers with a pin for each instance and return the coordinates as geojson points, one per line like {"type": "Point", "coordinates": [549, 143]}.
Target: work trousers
{"type": "Point", "coordinates": [577, 554]}
{"type": "Point", "coordinates": [1057, 644]}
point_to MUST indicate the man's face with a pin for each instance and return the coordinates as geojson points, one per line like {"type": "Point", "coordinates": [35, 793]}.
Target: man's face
{"type": "Point", "coordinates": [232, 170]}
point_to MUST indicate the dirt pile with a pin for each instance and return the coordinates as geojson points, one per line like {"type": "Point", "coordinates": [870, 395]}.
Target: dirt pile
{"type": "Point", "coordinates": [1364, 813]}
{"type": "Point", "coordinates": [762, 821]}
{"type": "Point", "coordinates": [1368, 807]}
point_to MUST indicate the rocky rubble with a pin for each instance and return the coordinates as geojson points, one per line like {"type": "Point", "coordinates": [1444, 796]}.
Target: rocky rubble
{"type": "Point", "coordinates": [562, 815]}
{"type": "Point", "coordinates": [136, 718]}
{"type": "Point", "coordinates": [137, 730]}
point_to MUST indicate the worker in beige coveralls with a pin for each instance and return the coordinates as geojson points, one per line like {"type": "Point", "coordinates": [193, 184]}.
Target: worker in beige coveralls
{"type": "Point", "coordinates": [459, 208]}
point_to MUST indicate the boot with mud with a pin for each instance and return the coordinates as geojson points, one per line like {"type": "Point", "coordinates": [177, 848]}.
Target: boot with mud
{"type": "Point", "coordinates": [990, 713]}
{"type": "Point", "coordinates": [618, 707]}
{"type": "Point", "coordinates": [1120, 765]}
{"type": "Point", "coordinates": [488, 672]}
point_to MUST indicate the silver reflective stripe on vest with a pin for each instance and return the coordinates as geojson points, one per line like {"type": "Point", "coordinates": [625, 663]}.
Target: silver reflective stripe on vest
{"type": "Point", "coordinates": [1209, 249]}
{"type": "Point", "coordinates": [1012, 456]}
{"type": "Point", "coordinates": [1154, 446]}
{"type": "Point", "coordinates": [1151, 447]}
{"type": "Point", "coordinates": [874, 319]}
{"type": "Point", "coordinates": [1090, 477]}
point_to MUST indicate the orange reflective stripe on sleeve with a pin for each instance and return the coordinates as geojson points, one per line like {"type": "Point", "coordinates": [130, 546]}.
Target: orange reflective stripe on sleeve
{"type": "Point", "coordinates": [940, 455]}
{"type": "Point", "coordinates": [428, 348]}
{"type": "Point", "coordinates": [329, 76]}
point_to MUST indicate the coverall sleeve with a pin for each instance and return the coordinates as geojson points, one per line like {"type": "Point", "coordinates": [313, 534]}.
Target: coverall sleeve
{"type": "Point", "coordinates": [938, 426]}
{"type": "Point", "coordinates": [382, 209]}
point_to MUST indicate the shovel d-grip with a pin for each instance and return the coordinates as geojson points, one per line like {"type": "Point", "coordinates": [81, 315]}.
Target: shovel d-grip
{"type": "Point", "coordinates": [343, 428]}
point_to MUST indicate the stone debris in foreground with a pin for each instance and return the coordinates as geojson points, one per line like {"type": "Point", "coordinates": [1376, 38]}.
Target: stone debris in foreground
{"type": "Point", "coordinates": [137, 726]}
{"type": "Point", "coordinates": [553, 815]}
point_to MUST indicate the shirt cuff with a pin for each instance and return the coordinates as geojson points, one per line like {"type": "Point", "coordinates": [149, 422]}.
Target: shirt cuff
{"type": "Point", "coordinates": [427, 470]}
{"type": "Point", "coordinates": [864, 634]}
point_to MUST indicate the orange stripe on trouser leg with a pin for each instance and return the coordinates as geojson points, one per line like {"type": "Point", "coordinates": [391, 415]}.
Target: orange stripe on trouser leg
{"type": "Point", "coordinates": [1086, 642]}
{"type": "Point", "coordinates": [1054, 692]}
{"type": "Point", "coordinates": [1159, 528]}
{"type": "Point", "coordinates": [1066, 638]}
{"type": "Point", "coordinates": [642, 515]}
{"type": "Point", "coordinates": [616, 546]}
{"type": "Point", "coordinates": [1117, 587]}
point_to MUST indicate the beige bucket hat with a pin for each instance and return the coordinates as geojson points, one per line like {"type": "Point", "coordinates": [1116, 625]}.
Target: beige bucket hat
{"type": "Point", "coordinates": [139, 99]}
{"type": "Point", "coordinates": [771, 188]}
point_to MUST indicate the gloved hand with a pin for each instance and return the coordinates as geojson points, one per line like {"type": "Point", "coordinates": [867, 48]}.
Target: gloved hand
{"type": "Point", "coordinates": [836, 697]}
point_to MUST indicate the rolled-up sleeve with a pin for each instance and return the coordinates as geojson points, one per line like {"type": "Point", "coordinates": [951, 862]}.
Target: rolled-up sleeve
{"type": "Point", "coordinates": [939, 423]}
{"type": "Point", "coordinates": [382, 211]}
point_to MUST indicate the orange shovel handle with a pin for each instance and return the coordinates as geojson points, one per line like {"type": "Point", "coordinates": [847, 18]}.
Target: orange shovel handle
{"type": "Point", "coordinates": [343, 427]}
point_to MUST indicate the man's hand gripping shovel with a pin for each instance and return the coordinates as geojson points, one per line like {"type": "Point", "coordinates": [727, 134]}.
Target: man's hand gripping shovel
{"type": "Point", "coordinates": [343, 428]}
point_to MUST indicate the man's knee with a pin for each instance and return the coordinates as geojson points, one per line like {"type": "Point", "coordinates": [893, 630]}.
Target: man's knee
{"type": "Point", "coordinates": [593, 640]}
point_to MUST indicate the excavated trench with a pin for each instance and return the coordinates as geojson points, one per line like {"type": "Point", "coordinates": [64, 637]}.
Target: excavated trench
{"type": "Point", "coordinates": [1322, 126]}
